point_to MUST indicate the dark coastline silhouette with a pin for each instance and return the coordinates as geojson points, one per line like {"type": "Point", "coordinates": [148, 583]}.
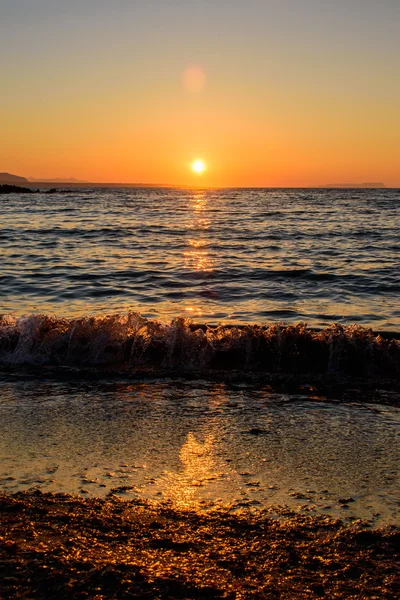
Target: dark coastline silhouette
{"type": "Point", "coordinates": [15, 189]}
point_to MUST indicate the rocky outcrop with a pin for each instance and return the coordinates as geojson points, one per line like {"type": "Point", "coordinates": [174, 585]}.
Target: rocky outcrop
{"type": "Point", "coordinates": [15, 189]}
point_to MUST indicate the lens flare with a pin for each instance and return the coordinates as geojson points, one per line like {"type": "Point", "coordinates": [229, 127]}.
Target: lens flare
{"type": "Point", "coordinates": [194, 79]}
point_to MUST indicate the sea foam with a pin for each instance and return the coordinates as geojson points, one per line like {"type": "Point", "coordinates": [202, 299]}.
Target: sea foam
{"type": "Point", "coordinates": [133, 343]}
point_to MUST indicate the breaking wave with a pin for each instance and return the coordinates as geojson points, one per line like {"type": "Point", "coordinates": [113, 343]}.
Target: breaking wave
{"type": "Point", "coordinates": [132, 344]}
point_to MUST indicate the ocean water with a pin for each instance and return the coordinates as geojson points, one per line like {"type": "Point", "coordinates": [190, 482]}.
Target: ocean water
{"type": "Point", "coordinates": [109, 296]}
{"type": "Point", "coordinates": [217, 256]}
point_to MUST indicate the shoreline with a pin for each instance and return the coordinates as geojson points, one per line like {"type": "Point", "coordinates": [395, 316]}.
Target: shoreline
{"type": "Point", "coordinates": [57, 545]}
{"type": "Point", "coordinates": [134, 347]}
{"type": "Point", "coordinates": [322, 388]}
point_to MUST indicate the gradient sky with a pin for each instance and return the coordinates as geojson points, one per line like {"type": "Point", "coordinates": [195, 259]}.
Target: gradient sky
{"type": "Point", "coordinates": [266, 92]}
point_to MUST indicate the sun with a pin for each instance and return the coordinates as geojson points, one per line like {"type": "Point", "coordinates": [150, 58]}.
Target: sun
{"type": "Point", "coordinates": [198, 166]}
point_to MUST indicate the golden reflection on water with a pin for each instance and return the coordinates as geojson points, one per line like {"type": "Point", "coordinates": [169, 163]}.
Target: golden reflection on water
{"type": "Point", "coordinates": [198, 260]}
{"type": "Point", "coordinates": [198, 257]}
{"type": "Point", "coordinates": [200, 464]}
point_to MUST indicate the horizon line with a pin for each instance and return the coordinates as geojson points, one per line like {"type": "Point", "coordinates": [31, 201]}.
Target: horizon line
{"type": "Point", "coordinates": [366, 185]}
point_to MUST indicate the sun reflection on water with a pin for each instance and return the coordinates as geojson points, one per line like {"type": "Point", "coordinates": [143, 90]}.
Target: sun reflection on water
{"type": "Point", "coordinates": [198, 260]}
{"type": "Point", "coordinates": [197, 257]}
{"type": "Point", "coordinates": [201, 466]}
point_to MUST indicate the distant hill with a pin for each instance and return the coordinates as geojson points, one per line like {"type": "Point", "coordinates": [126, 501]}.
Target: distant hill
{"type": "Point", "coordinates": [56, 180]}
{"type": "Point", "coordinates": [354, 185]}
{"type": "Point", "coordinates": [8, 178]}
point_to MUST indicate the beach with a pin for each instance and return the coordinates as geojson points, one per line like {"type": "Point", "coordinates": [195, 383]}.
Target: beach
{"type": "Point", "coordinates": [65, 547]}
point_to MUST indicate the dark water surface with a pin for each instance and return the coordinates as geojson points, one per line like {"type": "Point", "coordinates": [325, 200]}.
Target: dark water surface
{"type": "Point", "coordinates": [191, 443]}
{"type": "Point", "coordinates": [231, 255]}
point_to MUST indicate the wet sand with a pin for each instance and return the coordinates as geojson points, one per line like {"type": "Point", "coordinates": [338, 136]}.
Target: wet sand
{"type": "Point", "coordinates": [61, 546]}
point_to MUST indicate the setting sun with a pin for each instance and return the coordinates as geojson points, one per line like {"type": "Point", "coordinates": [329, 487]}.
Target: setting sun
{"type": "Point", "coordinates": [198, 166]}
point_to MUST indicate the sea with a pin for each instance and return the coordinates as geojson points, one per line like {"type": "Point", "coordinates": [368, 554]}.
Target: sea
{"type": "Point", "coordinates": [231, 255]}
{"type": "Point", "coordinates": [179, 345]}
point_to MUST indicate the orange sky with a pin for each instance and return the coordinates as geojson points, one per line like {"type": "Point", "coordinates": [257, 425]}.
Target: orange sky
{"type": "Point", "coordinates": [286, 93]}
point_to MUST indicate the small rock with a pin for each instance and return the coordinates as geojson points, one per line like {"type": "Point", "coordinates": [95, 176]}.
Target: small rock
{"type": "Point", "coordinates": [256, 431]}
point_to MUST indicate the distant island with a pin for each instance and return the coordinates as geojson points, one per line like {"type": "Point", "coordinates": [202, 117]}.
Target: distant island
{"type": "Point", "coordinates": [16, 179]}
{"type": "Point", "coordinates": [354, 185]}
{"type": "Point", "coordinates": [56, 180]}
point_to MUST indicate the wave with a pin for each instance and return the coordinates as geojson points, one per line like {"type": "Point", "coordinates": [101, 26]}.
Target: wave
{"type": "Point", "coordinates": [132, 344]}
